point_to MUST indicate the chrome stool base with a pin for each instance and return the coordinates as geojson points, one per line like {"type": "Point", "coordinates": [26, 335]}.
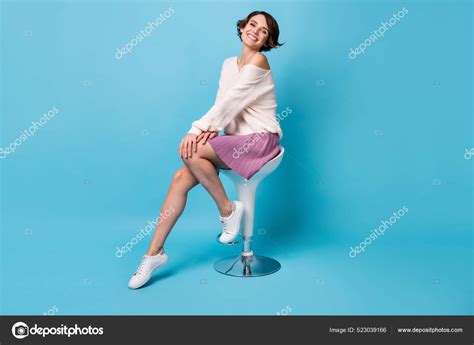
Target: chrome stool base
{"type": "Point", "coordinates": [247, 266]}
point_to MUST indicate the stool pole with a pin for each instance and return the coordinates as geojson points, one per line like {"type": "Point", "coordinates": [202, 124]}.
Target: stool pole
{"type": "Point", "coordinates": [246, 192]}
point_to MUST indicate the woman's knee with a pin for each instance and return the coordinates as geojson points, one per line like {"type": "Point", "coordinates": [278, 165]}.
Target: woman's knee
{"type": "Point", "coordinates": [191, 160]}
{"type": "Point", "coordinates": [184, 177]}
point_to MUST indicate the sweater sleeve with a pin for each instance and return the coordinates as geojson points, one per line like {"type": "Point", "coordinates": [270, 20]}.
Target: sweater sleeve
{"type": "Point", "coordinates": [229, 105]}
{"type": "Point", "coordinates": [220, 90]}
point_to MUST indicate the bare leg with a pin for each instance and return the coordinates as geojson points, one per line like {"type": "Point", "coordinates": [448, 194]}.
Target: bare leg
{"type": "Point", "coordinates": [204, 165]}
{"type": "Point", "coordinates": [183, 182]}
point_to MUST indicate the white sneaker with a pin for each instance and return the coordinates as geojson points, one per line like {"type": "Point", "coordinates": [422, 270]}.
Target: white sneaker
{"type": "Point", "coordinates": [146, 268]}
{"type": "Point", "coordinates": [231, 224]}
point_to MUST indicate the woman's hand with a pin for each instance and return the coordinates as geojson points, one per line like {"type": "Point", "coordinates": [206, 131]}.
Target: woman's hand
{"type": "Point", "coordinates": [188, 144]}
{"type": "Point", "coordinates": [206, 136]}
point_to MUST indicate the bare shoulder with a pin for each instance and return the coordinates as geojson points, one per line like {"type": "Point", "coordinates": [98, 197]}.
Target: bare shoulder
{"type": "Point", "coordinates": [260, 60]}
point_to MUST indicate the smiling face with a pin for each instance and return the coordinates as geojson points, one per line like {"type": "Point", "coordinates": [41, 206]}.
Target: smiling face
{"type": "Point", "coordinates": [256, 32]}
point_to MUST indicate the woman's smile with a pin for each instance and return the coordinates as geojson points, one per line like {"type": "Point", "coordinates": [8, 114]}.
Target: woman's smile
{"type": "Point", "coordinates": [252, 36]}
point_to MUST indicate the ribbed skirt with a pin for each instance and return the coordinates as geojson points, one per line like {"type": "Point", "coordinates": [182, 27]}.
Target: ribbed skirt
{"type": "Point", "coordinates": [246, 154]}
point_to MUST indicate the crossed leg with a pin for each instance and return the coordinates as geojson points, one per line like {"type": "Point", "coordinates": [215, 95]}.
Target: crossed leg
{"type": "Point", "coordinates": [203, 167]}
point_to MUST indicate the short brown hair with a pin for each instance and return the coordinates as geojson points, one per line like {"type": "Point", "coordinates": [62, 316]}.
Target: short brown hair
{"type": "Point", "coordinates": [273, 30]}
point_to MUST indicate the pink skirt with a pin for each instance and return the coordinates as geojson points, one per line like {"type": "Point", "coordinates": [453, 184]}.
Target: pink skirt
{"type": "Point", "coordinates": [246, 154]}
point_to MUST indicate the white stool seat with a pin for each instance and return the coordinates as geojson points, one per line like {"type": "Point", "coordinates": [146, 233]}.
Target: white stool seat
{"type": "Point", "coordinates": [247, 264]}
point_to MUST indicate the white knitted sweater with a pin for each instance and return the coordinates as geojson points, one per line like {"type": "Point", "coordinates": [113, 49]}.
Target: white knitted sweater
{"type": "Point", "coordinates": [245, 102]}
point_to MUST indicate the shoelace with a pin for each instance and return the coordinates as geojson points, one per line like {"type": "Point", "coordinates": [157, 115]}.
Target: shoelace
{"type": "Point", "coordinates": [226, 227]}
{"type": "Point", "coordinates": [142, 265]}
{"type": "Point", "coordinates": [226, 224]}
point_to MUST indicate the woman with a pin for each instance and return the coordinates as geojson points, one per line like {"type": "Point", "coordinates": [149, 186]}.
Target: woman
{"type": "Point", "coordinates": [245, 109]}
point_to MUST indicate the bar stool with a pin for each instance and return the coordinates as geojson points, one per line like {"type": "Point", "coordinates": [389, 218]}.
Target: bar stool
{"type": "Point", "coordinates": [247, 264]}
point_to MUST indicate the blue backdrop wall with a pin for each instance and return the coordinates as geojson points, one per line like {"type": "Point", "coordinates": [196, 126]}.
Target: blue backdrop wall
{"type": "Point", "coordinates": [387, 130]}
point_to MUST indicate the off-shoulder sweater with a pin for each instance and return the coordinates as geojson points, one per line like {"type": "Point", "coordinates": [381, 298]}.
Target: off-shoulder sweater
{"type": "Point", "coordinates": [245, 102]}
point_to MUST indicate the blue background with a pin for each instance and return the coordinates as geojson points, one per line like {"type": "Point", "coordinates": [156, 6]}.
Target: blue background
{"type": "Point", "coordinates": [365, 137]}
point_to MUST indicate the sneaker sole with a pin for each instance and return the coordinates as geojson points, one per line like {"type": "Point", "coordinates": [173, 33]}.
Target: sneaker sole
{"type": "Point", "coordinates": [151, 273]}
